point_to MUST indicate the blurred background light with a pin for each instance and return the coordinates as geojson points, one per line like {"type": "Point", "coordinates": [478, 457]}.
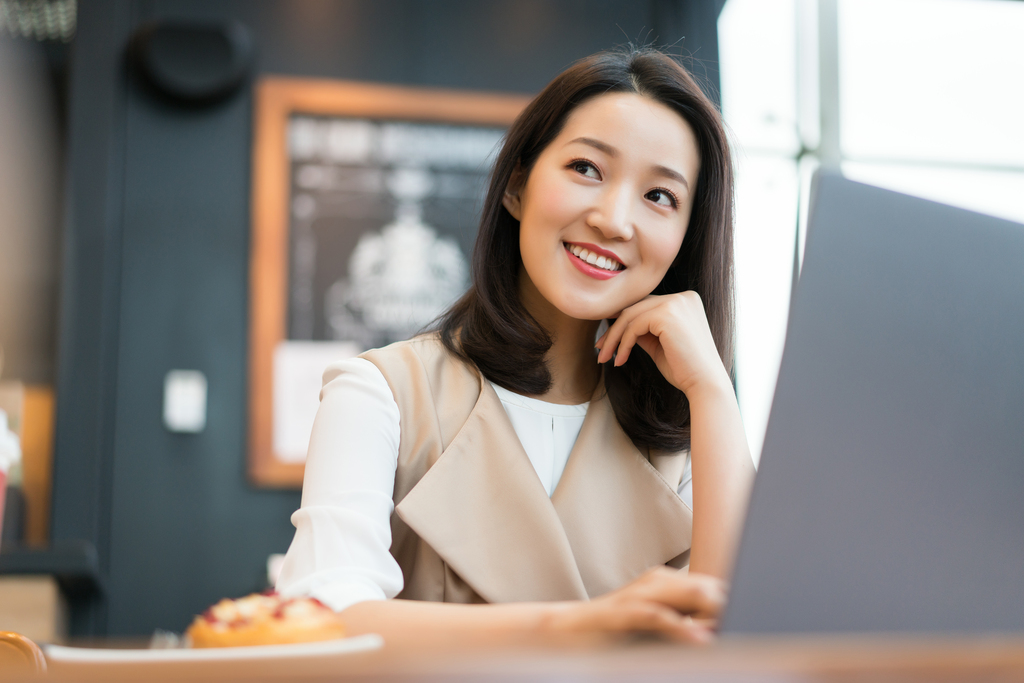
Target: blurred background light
{"type": "Point", "coordinates": [925, 97]}
{"type": "Point", "coordinates": [933, 81]}
{"type": "Point", "coordinates": [39, 19]}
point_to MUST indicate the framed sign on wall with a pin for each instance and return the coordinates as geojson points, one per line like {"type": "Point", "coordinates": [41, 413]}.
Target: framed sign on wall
{"type": "Point", "coordinates": [365, 202]}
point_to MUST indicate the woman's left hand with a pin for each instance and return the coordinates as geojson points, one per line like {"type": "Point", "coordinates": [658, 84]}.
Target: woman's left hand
{"type": "Point", "coordinates": [673, 330]}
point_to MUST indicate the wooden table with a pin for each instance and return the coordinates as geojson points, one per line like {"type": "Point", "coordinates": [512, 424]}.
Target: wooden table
{"type": "Point", "coordinates": [732, 660]}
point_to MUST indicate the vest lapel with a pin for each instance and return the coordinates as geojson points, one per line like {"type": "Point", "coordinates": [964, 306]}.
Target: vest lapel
{"type": "Point", "coordinates": [482, 508]}
{"type": "Point", "coordinates": [619, 513]}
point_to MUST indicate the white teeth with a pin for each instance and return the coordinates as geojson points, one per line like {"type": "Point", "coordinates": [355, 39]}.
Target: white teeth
{"type": "Point", "coordinates": [593, 259]}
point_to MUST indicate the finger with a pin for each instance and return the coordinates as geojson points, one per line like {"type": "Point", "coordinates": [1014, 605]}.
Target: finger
{"type": "Point", "coordinates": [649, 617]}
{"type": "Point", "coordinates": [610, 345]}
{"type": "Point", "coordinates": [691, 632]}
{"type": "Point", "coordinates": [609, 339]}
{"type": "Point", "coordinates": [698, 595]}
{"type": "Point", "coordinates": [638, 327]}
{"type": "Point", "coordinates": [708, 623]}
{"type": "Point", "coordinates": [647, 322]}
{"type": "Point", "coordinates": [703, 598]}
{"type": "Point", "coordinates": [649, 343]}
{"type": "Point", "coordinates": [613, 318]}
{"type": "Point", "coordinates": [706, 605]}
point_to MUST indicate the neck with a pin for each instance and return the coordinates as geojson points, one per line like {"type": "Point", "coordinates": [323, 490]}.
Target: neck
{"type": "Point", "coordinates": [572, 359]}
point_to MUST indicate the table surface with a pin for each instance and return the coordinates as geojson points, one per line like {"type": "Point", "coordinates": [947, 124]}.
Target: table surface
{"type": "Point", "coordinates": [895, 657]}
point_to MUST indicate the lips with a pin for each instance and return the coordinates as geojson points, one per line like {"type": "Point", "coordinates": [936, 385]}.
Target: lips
{"type": "Point", "coordinates": [595, 256]}
{"type": "Point", "coordinates": [593, 261]}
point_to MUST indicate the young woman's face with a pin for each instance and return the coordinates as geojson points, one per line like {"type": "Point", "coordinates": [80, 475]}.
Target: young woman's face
{"type": "Point", "coordinates": [605, 207]}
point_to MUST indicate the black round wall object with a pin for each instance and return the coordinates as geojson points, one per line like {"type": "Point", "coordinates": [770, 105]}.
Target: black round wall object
{"type": "Point", "coordinates": [193, 62]}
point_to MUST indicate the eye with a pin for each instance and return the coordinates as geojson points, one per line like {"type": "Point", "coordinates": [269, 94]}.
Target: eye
{"type": "Point", "coordinates": [662, 197]}
{"type": "Point", "coordinates": [585, 168]}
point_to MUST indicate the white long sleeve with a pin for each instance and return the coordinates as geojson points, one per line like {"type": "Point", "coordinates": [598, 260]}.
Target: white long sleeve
{"type": "Point", "coordinates": [341, 550]}
{"type": "Point", "coordinates": [340, 553]}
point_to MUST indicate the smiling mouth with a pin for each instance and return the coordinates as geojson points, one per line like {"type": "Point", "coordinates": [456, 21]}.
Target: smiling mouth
{"type": "Point", "coordinates": [596, 260]}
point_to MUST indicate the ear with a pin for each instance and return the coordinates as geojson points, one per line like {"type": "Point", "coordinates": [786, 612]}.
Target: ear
{"type": "Point", "coordinates": [511, 200]}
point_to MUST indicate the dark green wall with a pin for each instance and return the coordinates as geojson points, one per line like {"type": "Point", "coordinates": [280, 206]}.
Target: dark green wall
{"type": "Point", "coordinates": [155, 266]}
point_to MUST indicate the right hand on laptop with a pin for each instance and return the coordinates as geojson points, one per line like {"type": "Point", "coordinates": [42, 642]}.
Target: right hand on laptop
{"type": "Point", "coordinates": [663, 601]}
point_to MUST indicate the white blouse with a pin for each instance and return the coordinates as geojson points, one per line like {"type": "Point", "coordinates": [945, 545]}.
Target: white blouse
{"type": "Point", "coordinates": [340, 553]}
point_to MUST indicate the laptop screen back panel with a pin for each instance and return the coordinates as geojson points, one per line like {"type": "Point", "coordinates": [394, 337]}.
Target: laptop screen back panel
{"type": "Point", "coordinates": [890, 495]}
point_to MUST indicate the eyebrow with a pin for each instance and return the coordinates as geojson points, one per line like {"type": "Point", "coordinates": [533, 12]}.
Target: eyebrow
{"type": "Point", "coordinates": [611, 151]}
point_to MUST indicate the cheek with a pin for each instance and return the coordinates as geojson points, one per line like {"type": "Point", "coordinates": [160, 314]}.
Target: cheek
{"type": "Point", "coordinates": [660, 250]}
{"type": "Point", "coordinates": [548, 203]}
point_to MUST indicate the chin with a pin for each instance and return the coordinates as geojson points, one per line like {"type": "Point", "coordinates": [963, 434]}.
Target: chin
{"type": "Point", "coordinates": [588, 310]}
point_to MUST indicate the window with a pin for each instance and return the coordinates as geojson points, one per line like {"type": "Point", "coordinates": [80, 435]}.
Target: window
{"type": "Point", "coordinates": [924, 97]}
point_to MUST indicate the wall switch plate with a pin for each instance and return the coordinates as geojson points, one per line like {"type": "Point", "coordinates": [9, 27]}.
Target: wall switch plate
{"type": "Point", "coordinates": [185, 401]}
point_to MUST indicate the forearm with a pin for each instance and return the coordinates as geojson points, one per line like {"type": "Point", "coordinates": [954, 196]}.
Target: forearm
{"type": "Point", "coordinates": [655, 602]}
{"type": "Point", "coordinates": [430, 624]}
{"type": "Point", "coordinates": [722, 474]}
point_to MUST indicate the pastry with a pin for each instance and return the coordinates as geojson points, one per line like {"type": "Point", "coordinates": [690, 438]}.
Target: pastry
{"type": "Point", "coordinates": [265, 619]}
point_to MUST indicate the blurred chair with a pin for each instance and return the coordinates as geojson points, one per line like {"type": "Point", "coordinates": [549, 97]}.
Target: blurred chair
{"type": "Point", "coordinates": [19, 654]}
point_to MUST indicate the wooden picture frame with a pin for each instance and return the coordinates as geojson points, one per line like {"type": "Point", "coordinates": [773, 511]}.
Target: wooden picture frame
{"type": "Point", "coordinates": [276, 100]}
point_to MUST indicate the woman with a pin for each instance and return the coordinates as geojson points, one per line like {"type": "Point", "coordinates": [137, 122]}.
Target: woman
{"type": "Point", "coordinates": [610, 200]}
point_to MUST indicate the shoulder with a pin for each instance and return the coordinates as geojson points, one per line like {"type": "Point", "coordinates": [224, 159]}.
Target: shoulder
{"type": "Point", "coordinates": [422, 358]}
{"type": "Point", "coordinates": [427, 379]}
{"type": "Point", "coordinates": [350, 370]}
{"type": "Point", "coordinates": [355, 376]}
{"type": "Point", "coordinates": [422, 346]}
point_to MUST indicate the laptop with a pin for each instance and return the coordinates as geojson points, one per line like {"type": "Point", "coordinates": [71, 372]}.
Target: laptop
{"type": "Point", "coordinates": [890, 492]}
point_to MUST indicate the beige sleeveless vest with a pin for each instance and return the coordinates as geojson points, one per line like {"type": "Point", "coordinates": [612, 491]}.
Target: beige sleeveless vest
{"type": "Point", "coordinates": [472, 520]}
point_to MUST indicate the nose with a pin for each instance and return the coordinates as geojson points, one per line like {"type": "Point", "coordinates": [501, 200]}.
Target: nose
{"type": "Point", "coordinates": [612, 214]}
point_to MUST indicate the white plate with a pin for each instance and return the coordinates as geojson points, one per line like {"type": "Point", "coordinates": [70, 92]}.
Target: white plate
{"type": "Point", "coordinates": [58, 654]}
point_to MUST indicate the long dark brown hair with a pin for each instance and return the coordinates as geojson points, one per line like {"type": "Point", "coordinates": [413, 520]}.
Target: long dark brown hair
{"type": "Point", "coordinates": [489, 325]}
